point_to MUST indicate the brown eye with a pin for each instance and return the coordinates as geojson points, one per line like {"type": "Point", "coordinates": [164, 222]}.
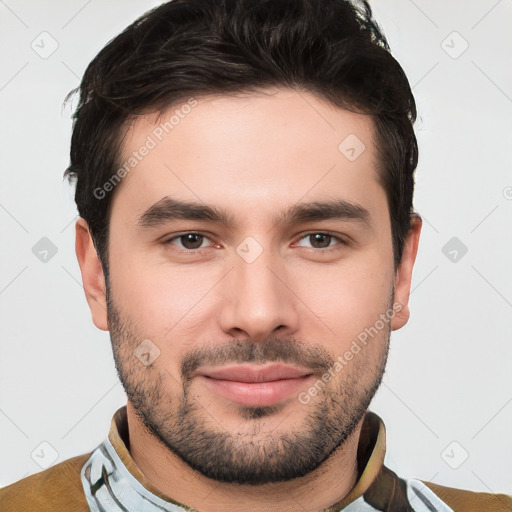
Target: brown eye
{"type": "Point", "coordinates": [322, 242]}
{"type": "Point", "coordinates": [188, 241]}
{"type": "Point", "coordinates": [192, 241]}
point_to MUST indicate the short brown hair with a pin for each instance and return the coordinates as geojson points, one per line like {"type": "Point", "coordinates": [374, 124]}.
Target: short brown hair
{"type": "Point", "coordinates": [331, 48]}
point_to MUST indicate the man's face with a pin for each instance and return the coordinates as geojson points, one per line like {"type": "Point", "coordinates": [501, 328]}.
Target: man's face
{"type": "Point", "coordinates": [245, 326]}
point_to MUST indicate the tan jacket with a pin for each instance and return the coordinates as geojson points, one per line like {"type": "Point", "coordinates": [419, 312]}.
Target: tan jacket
{"type": "Point", "coordinates": [61, 487]}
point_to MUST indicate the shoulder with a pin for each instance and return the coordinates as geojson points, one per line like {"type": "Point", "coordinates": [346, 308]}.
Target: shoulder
{"type": "Point", "coordinates": [56, 488]}
{"type": "Point", "coordinates": [469, 501]}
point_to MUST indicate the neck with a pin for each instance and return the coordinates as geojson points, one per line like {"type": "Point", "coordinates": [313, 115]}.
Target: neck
{"type": "Point", "coordinates": [169, 475]}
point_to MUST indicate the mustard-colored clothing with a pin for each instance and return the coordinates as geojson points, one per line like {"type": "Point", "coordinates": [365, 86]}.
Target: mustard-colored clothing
{"type": "Point", "coordinates": [108, 479]}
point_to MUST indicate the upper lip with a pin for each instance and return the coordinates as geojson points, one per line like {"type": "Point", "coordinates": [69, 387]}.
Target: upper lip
{"type": "Point", "coordinates": [253, 373]}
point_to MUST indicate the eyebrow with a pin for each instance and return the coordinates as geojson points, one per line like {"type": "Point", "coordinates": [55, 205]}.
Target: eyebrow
{"type": "Point", "coordinates": [169, 209]}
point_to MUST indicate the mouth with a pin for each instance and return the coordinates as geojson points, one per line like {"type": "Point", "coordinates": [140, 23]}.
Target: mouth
{"type": "Point", "coordinates": [254, 385]}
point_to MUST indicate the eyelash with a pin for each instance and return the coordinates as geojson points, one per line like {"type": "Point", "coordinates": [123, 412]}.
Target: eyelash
{"type": "Point", "coordinates": [341, 241]}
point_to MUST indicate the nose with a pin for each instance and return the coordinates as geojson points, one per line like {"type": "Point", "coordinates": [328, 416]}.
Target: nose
{"type": "Point", "coordinates": [258, 300]}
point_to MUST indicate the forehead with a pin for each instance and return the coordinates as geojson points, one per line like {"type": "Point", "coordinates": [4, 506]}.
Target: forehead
{"type": "Point", "coordinates": [248, 152]}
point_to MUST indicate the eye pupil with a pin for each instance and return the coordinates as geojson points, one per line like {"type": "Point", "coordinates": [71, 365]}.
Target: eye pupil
{"type": "Point", "coordinates": [191, 238]}
{"type": "Point", "coordinates": [317, 237]}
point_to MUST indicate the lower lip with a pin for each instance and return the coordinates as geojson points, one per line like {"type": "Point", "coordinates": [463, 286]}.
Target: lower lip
{"type": "Point", "coordinates": [256, 394]}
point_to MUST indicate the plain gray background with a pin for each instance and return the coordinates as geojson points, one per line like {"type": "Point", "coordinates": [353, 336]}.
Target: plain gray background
{"type": "Point", "coordinates": [446, 398]}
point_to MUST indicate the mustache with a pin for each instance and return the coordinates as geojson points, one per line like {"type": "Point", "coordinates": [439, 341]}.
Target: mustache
{"type": "Point", "coordinates": [275, 350]}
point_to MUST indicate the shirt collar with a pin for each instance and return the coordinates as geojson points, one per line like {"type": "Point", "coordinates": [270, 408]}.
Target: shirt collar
{"type": "Point", "coordinates": [112, 475]}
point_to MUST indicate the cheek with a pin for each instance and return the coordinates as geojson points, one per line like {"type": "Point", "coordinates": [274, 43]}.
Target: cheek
{"type": "Point", "coordinates": [142, 286]}
{"type": "Point", "coordinates": [164, 303]}
{"type": "Point", "coordinates": [347, 299]}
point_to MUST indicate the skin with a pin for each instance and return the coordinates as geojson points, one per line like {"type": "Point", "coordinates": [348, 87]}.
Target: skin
{"type": "Point", "coordinates": [252, 156]}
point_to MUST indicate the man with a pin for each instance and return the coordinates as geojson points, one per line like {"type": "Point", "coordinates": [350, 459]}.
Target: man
{"type": "Point", "coordinates": [244, 177]}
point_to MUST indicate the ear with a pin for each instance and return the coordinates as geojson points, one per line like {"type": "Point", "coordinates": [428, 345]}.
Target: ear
{"type": "Point", "coordinates": [92, 274]}
{"type": "Point", "coordinates": [403, 274]}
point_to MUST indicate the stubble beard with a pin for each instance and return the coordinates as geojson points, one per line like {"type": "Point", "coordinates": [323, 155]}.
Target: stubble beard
{"type": "Point", "coordinates": [184, 426]}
